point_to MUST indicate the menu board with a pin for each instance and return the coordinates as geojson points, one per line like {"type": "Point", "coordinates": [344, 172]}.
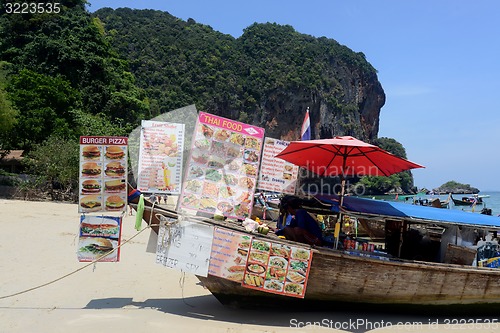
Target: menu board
{"type": "Point", "coordinates": [277, 268]}
{"type": "Point", "coordinates": [99, 235]}
{"type": "Point", "coordinates": [185, 246]}
{"type": "Point", "coordinates": [103, 174]}
{"type": "Point", "coordinates": [160, 157]}
{"type": "Point", "coordinates": [229, 254]}
{"type": "Point", "coordinates": [276, 175]}
{"type": "Point", "coordinates": [223, 166]}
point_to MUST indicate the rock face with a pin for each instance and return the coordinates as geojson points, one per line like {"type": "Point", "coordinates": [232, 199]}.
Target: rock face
{"type": "Point", "coordinates": [268, 76]}
{"type": "Point", "coordinates": [283, 112]}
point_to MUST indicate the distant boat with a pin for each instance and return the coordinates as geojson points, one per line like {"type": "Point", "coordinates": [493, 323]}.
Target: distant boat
{"type": "Point", "coordinates": [432, 202]}
{"type": "Point", "coordinates": [469, 201]}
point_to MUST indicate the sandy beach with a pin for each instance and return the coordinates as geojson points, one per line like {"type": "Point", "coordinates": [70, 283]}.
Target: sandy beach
{"type": "Point", "coordinates": [39, 240]}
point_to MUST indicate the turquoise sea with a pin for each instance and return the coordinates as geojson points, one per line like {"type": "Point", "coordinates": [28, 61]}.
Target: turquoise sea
{"type": "Point", "coordinates": [492, 202]}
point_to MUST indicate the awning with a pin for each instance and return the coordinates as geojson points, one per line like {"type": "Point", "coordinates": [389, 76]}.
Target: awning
{"type": "Point", "coordinates": [417, 213]}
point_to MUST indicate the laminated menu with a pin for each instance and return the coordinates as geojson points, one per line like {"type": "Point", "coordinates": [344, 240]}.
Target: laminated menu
{"type": "Point", "coordinates": [222, 170]}
{"type": "Point", "coordinates": [277, 268]}
{"type": "Point", "coordinates": [275, 174]}
{"type": "Point", "coordinates": [229, 254]}
{"type": "Point", "coordinates": [100, 238]}
{"type": "Point", "coordinates": [103, 174]}
{"type": "Point", "coordinates": [160, 157]}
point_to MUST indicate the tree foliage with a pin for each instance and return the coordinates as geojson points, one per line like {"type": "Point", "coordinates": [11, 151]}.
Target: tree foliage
{"type": "Point", "coordinates": [402, 180]}
{"type": "Point", "coordinates": [54, 165]}
{"type": "Point", "coordinates": [77, 73]}
{"type": "Point", "coordinates": [179, 63]}
{"type": "Point", "coordinates": [8, 113]}
{"type": "Point", "coordinates": [62, 66]}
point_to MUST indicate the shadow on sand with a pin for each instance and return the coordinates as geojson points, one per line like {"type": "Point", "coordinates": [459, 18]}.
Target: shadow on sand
{"type": "Point", "coordinates": [345, 317]}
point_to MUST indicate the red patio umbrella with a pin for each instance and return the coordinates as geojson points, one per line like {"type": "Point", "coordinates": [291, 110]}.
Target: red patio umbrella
{"type": "Point", "coordinates": [344, 156]}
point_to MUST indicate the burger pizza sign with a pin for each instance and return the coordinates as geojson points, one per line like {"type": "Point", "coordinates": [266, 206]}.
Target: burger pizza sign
{"type": "Point", "coordinates": [103, 174]}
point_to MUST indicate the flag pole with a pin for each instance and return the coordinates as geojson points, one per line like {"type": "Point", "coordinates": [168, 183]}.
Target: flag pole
{"type": "Point", "coordinates": [305, 134]}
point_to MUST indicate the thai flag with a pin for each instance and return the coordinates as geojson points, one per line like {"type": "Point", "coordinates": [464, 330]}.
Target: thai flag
{"type": "Point", "coordinates": [305, 132]}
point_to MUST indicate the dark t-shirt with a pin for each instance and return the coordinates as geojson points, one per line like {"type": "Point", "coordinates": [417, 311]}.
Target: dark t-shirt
{"type": "Point", "coordinates": [305, 221]}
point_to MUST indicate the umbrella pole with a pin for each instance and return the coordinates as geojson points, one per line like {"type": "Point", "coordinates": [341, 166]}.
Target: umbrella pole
{"type": "Point", "coordinates": [339, 219]}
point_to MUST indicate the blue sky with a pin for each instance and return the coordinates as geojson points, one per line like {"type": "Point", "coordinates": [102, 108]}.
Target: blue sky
{"type": "Point", "coordinates": [438, 62]}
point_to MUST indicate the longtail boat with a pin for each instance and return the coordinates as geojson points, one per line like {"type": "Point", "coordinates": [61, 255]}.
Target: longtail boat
{"type": "Point", "coordinates": [359, 278]}
{"type": "Point", "coordinates": [468, 201]}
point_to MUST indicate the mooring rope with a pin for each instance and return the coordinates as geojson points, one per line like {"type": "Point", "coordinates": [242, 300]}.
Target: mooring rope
{"type": "Point", "coordinates": [81, 268]}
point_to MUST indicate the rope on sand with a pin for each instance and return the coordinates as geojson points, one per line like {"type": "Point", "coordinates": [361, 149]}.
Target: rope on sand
{"type": "Point", "coordinates": [181, 280]}
{"type": "Point", "coordinates": [81, 268]}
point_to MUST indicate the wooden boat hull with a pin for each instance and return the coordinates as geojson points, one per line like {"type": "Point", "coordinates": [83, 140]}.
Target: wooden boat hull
{"type": "Point", "coordinates": [458, 202]}
{"type": "Point", "coordinates": [336, 277]}
{"type": "Point", "coordinates": [339, 278]}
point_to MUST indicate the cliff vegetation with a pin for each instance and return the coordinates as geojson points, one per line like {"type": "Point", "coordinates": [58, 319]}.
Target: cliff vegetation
{"type": "Point", "coordinates": [76, 73]}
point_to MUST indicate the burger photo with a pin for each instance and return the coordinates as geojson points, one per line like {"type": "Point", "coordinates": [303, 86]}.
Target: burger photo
{"type": "Point", "coordinates": [91, 152]}
{"type": "Point", "coordinates": [91, 169]}
{"type": "Point", "coordinates": [91, 248]}
{"type": "Point", "coordinates": [91, 186]}
{"type": "Point", "coordinates": [113, 186]}
{"type": "Point", "coordinates": [99, 226]}
{"type": "Point", "coordinates": [114, 169]}
{"type": "Point", "coordinates": [114, 152]}
{"type": "Point", "coordinates": [90, 203]}
{"type": "Point", "coordinates": [114, 203]}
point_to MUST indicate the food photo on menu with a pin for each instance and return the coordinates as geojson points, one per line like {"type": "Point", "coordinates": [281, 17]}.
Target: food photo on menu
{"type": "Point", "coordinates": [101, 226]}
{"type": "Point", "coordinates": [92, 248]}
{"type": "Point", "coordinates": [91, 152]}
{"type": "Point", "coordinates": [91, 169]}
{"type": "Point", "coordinates": [114, 185]}
{"type": "Point", "coordinates": [115, 152]}
{"type": "Point", "coordinates": [91, 186]}
{"type": "Point", "coordinates": [114, 169]}
{"type": "Point", "coordinates": [90, 203]}
{"type": "Point", "coordinates": [115, 203]}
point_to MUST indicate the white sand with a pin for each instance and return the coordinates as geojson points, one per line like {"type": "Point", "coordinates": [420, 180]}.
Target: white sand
{"type": "Point", "coordinates": [38, 242]}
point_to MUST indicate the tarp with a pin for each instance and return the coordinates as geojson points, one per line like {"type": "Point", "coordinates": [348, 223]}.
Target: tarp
{"type": "Point", "coordinates": [411, 212]}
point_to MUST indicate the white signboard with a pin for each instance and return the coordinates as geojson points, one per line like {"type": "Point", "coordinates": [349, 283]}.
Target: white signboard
{"type": "Point", "coordinates": [276, 175]}
{"type": "Point", "coordinates": [185, 246]}
{"type": "Point", "coordinates": [160, 157]}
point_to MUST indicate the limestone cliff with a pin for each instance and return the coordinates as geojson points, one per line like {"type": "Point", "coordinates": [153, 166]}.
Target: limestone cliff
{"type": "Point", "coordinates": [283, 111]}
{"type": "Point", "coordinates": [267, 77]}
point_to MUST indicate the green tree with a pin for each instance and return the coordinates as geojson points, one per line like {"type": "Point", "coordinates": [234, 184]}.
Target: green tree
{"type": "Point", "coordinates": [44, 105]}
{"type": "Point", "coordinates": [401, 180]}
{"type": "Point", "coordinates": [54, 165]}
{"type": "Point", "coordinates": [8, 113]}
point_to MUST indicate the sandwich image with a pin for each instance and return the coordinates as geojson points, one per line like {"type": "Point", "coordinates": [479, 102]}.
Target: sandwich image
{"type": "Point", "coordinates": [91, 169]}
{"type": "Point", "coordinates": [91, 186]}
{"type": "Point", "coordinates": [114, 202]}
{"type": "Point", "coordinates": [114, 152]}
{"type": "Point", "coordinates": [112, 186]}
{"type": "Point", "coordinates": [91, 248]}
{"type": "Point", "coordinates": [91, 152]}
{"type": "Point", "coordinates": [114, 169]}
{"type": "Point", "coordinates": [90, 203]}
{"type": "Point", "coordinates": [98, 226]}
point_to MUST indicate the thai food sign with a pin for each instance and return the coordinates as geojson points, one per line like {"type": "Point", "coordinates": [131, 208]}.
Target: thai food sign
{"type": "Point", "coordinates": [160, 157]}
{"type": "Point", "coordinates": [276, 175]}
{"type": "Point", "coordinates": [222, 170]}
{"type": "Point", "coordinates": [103, 174]}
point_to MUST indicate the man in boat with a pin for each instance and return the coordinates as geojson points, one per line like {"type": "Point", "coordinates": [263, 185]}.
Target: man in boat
{"type": "Point", "coordinates": [301, 227]}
